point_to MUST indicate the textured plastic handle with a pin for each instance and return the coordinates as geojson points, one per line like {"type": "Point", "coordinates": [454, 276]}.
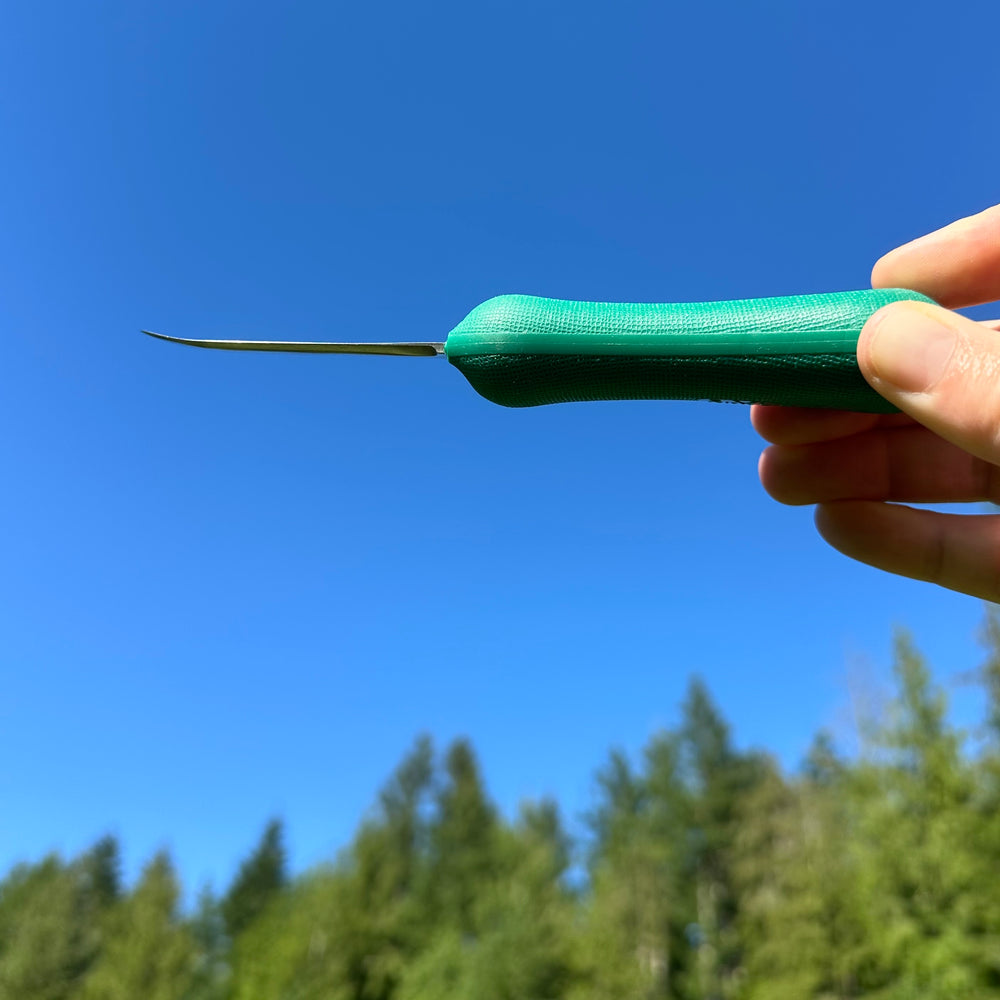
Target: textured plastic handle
{"type": "Point", "coordinates": [798, 350]}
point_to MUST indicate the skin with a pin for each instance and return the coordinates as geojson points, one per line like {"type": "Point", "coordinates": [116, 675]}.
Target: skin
{"type": "Point", "coordinates": [942, 370]}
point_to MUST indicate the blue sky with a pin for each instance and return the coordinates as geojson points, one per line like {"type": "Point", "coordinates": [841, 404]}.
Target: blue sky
{"type": "Point", "coordinates": [239, 585]}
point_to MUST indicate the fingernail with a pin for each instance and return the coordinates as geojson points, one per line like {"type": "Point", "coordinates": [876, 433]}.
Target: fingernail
{"type": "Point", "coordinates": [910, 348]}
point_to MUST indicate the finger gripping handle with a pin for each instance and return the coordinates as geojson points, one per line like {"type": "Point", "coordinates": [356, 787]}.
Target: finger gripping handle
{"type": "Point", "coordinates": [518, 350]}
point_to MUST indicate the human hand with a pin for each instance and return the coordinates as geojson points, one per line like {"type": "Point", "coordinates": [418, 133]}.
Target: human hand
{"type": "Point", "coordinates": [943, 372]}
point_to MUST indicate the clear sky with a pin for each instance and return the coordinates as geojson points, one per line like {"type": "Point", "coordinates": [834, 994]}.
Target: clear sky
{"type": "Point", "coordinates": [233, 585]}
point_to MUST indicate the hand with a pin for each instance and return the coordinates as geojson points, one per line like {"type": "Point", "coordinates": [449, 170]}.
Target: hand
{"type": "Point", "coordinates": [943, 372]}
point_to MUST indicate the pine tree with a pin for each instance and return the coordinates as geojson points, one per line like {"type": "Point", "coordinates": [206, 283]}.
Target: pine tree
{"type": "Point", "coordinates": [208, 932]}
{"type": "Point", "coordinates": [386, 893]}
{"type": "Point", "coordinates": [101, 868]}
{"type": "Point", "coordinates": [463, 842]}
{"type": "Point", "coordinates": [349, 932]}
{"type": "Point", "coordinates": [149, 953]}
{"type": "Point", "coordinates": [522, 942]}
{"type": "Point", "coordinates": [543, 832]}
{"type": "Point", "coordinates": [635, 936]}
{"type": "Point", "coordinates": [804, 915]}
{"type": "Point", "coordinates": [719, 778]}
{"type": "Point", "coordinates": [52, 922]}
{"type": "Point", "coordinates": [303, 946]}
{"type": "Point", "coordinates": [915, 823]}
{"type": "Point", "coordinates": [46, 941]}
{"type": "Point", "coordinates": [260, 877]}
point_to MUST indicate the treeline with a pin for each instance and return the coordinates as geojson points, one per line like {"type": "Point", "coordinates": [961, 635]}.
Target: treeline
{"type": "Point", "coordinates": [708, 874]}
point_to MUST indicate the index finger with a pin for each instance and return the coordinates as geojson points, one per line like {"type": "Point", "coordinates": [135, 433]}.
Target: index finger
{"type": "Point", "coordinates": [956, 266]}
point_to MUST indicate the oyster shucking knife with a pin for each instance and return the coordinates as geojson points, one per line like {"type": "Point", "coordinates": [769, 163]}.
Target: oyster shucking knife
{"type": "Point", "coordinates": [519, 350]}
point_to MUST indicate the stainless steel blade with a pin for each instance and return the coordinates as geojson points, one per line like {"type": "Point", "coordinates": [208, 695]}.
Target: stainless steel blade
{"type": "Point", "coordinates": [414, 350]}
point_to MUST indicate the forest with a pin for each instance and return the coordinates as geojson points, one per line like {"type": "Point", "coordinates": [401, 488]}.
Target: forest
{"type": "Point", "coordinates": [706, 873]}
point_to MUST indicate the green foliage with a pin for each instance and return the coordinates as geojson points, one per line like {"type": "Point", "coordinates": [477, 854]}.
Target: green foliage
{"type": "Point", "coordinates": [463, 840]}
{"type": "Point", "coordinates": [100, 868]}
{"type": "Point", "coordinates": [633, 938]}
{"type": "Point", "coordinates": [50, 929]}
{"type": "Point", "coordinates": [261, 876]}
{"type": "Point", "coordinates": [708, 874]}
{"type": "Point", "coordinates": [208, 931]}
{"type": "Point", "coordinates": [807, 916]}
{"type": "Point", "coordinates": [148, 952]}
{"type": "Point", "coordinates": [518, 941]}
{"type": "Point", "coordinates": [861, 880]}
{"type": "Point", "coordinates": [989, 673]}
{"type": "Point", "coordinates": [349, 931]}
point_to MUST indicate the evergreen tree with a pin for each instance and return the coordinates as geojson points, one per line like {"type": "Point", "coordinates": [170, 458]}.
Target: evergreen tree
{"type": "Point", "coordinates": [302, 946]}
{"type": "Point", "coordinates": [522, 944]}
{"type": "Point", "coordinates": [916, 824]}
{"type": "Point", "coordinates": [350, 932]}
{"type": "Point", "coordinates": [101, 868]}
{"type": "Point", "coordinates": [52, 922]}
{"type": "Point", "coordinates": [260, 877]}
{"type": "Point", "coordinates": [543, 832]}
{"type": "Point", "coordinates": [621, 800]}
{"type": "Point", "coordinates": [208, 932]}
{"type": "Point", "coordinates": [48, 931]}
{"type": "Point", "coordinates": [719, 778]}
{"type": "Point", "coordinates": [463, 841]}
{"type": "Point", "coordinates": [386, 892]}
{"type": "Point", "coordinates": [634, 943]}
{"type": "Point", "coordinates": [149, 953]}
{"type": "Point", "coordinates": [804, 923]}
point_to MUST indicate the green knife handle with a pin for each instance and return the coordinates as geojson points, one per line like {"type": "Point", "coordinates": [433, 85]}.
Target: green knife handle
{"type": "Point", "coordinates": [799, 350]}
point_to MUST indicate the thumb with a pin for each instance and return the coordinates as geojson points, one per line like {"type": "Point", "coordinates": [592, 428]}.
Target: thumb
{"type": "Point", "coordinates": [940, 368]}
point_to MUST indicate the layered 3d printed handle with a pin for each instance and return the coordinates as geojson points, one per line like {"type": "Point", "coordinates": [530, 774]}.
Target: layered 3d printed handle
{"type": "Point", "coordinates": [799, 350]}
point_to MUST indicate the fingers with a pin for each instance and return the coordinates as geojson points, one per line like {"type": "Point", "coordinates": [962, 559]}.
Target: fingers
{"type": "Point", "coordinates": [942, 371]}
{"type": "Point", "coordinates": [957, 266]}
{"type": "Point", "coordinates": [793, 425]}
{"type": "Point", "coordinates": [790, 425]}
{"type": "Point", "coordinates": [940, 368]}
{"type": "Point", "coordinates": [957, 551]}
{"type": "Point", "coordinates": [798, 425]}
{"type": "Point", "coordinates": [902, 463]}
